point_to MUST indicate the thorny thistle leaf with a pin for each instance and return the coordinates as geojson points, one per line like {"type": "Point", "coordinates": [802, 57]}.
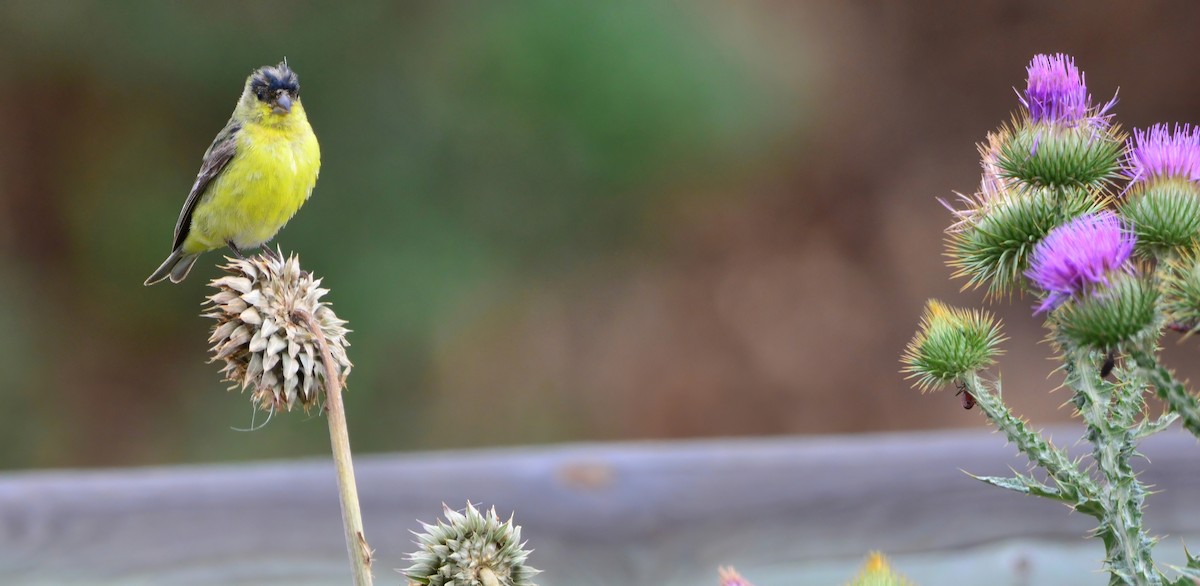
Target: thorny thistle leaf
{"type": "Point", "coordinates": [258, 336]}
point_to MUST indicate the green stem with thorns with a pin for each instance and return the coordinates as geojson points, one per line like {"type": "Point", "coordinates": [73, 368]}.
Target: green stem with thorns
{"type": "Point", "coordinates": [1110, 417]}
{"type": "Point", "coordinates": [1074, 487]}
{"type": "Point", "coordinates": [1170, 390]}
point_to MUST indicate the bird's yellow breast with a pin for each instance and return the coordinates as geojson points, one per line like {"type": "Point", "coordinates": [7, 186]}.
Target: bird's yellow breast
{"type": "Point", "coordinates": [270, 176]}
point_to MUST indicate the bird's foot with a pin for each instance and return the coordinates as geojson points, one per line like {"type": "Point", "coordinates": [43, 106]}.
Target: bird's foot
{"type": "Point", "coordinates": [235, 250]}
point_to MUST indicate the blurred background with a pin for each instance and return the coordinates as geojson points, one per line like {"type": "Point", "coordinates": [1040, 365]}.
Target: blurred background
{"type": "Point", "coordinates": [544, 221]}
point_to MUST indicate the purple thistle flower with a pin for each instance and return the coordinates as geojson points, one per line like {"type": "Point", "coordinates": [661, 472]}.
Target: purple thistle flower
{"type": "Point", "coordinates": [1078, 255]}
{"type": "Point", "coordinates": [1160, 153]}
{"type": "Point", "coordinates": [1056, 93]}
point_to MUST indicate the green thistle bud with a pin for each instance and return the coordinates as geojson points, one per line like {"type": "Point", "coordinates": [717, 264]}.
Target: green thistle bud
{"type": "Point", "coordinates": [264, 346]}
{"type": "Point", "coordinates": [1165, 215]}
{"type": "Point", "coordinates": [877, 572]}
{"type": "Point", "coordinates": [1109, 316]}
{"type": "Point", "coordinates": [1181, 292]}
{"type": "Point", "coordinates": [991, 244]}
{"type": "Point", "coordinates": [951, 342]}
{"type": "Point", "coordinates": [1049, 154]}
{"type": "Point", "coordinates": [471, 549]}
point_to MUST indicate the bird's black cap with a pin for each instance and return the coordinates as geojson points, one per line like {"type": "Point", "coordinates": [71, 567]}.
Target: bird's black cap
{"type": "Point", "coordinates": [265, 81]}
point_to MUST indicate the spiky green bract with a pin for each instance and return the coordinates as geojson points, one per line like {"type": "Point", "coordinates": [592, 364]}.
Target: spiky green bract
{"type": "Point", "coordinates": [1052, 155]}
{"type": "Point", "coordinates": [471, 549]}
{"type": "Point", "coordinates": [994, 247]}
{"type": "Point", "coordinates": [1181, 292]}
{"type": "Point", "coordinates": [1165, 215]}
{"type": "Point", "coordinates": [950, 343]}
{"type": "Point", "coordinates": [877, 572]}
{"type": "Point", "coordinates": [1108, 318]}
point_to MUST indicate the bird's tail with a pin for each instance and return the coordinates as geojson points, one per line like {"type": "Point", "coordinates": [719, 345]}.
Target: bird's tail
{"type": "Point", "coordinates": [176, 267]}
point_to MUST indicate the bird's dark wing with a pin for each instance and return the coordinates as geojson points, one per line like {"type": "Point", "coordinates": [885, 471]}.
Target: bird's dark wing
{"type": "Point", "coordinates": [219, 153]}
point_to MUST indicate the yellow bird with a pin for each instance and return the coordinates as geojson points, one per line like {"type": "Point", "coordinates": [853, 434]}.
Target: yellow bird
{"type": "Point", "coordinates": [258, 172]}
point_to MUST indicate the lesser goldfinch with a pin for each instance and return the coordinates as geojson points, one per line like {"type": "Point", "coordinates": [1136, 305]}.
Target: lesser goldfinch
{"type": "Point", "coordinates": [258, 171]}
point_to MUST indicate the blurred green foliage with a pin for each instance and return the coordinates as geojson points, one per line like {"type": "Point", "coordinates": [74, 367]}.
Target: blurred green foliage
{"type": "Point", "coordinates": [467, 148]}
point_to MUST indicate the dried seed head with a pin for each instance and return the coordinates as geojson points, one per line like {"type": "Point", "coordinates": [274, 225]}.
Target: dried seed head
{"type": "Point", "coordinates": [264, 344]}
{"type": "Point", "coordinates": [471, 549]}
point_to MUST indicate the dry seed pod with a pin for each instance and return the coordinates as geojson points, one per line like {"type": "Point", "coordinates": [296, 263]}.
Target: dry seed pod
{"type": "Point", "coordinates": [265, 346]}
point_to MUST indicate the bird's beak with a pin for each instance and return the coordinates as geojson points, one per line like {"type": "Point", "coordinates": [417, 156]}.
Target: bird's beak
{"type": "Point", "coordinates": [283, 104]}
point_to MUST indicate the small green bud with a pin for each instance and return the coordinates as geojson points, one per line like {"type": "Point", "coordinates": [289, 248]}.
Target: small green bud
{"type": "Point", "coordinates": [1049, 154]}
{"type": "Point", "coordinates": [1165, 214]}
{"type": "Point", "coordinates": [1111, 316]}
{"type": "Point", "coordinates": [993, 245]}
{"type": "Point", "coordinates": [950, 343]}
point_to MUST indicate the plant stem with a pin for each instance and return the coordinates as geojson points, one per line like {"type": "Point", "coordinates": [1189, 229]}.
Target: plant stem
{"type": "Point", "coordinates": [488, 577]}
{"type": "Point", "coordinates": [339, 439]}
{"type": "Point", "coordinates": [1177, 397]}
{"type": "Point", "coordinates": [1075, 486]}
{"type": "Point", "coordinates": [1110, 427]}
